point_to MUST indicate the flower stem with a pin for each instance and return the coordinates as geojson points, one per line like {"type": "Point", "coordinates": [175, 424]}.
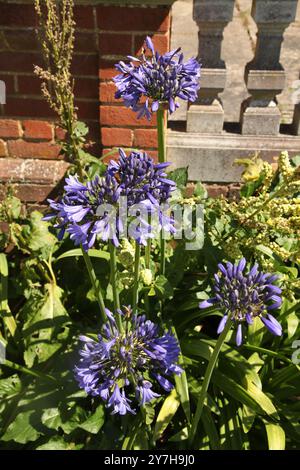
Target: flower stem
{"type": "Point", "coordinates": [147, 265]}
{"type": "Point", "coordinates": [162, 159]}
{"type": "Point", "coordinates": [95, 283]}
{"type": "Point", "coordinates": [19, 368]}
{"type": "Point", "coordinates": [113, 275]}
{"type": "Point", "coordinates": [137, 258]}
{"type": "Point", "coordinates": [161, 135]}
{"type": "Point", "coordinates": [206, 381]}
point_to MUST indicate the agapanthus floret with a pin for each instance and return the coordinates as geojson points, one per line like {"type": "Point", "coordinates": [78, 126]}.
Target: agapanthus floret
{"type": "Point", "coordinates": [123, 364]}
{"type": "Point", "coordinates": [158, 80]}
{"type": "Point", "coordinates": [244, 296]}
{"type": "Point", "coordinates": [140, 178]}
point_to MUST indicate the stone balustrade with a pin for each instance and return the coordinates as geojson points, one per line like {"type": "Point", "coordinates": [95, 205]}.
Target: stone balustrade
{"type": "Point", "coordinates": [209, 146]}
{"type": "Point", "coordinates": [264, 75]}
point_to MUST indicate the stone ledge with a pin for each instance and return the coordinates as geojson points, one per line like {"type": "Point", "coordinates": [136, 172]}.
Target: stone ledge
{"type": "Point", "coordinates": [110, 2]}
{"type": "Point", "coordinates": [210, 158]}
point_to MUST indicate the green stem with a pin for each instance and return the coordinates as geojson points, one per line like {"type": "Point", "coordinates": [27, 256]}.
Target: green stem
{"type": "Point", "coordinates": [95, 283]}
{"type": "Point", "coordinates": [135, 298]}
{"type": "Point", "coordinates": [162, 254]}
{"type": "Point", "coordinates": [148, 254]}
{"type": "Point", "coordinates": [161, 135]}
{"type": "Point", "coordinates": [13, 365]}
{"type": "Point", "coordinates": [147, 265]}
{"type": "Point", "coordinates": [113, 281]}
{"type": "Point", "coordinates": [162, 159]}
{"type": "Point", "coordinates": [113, 275]}
{"type": "Point", "coordinates": [206, 381]}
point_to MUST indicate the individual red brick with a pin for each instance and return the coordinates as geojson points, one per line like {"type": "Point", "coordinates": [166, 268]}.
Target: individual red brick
{"type": "Point", "coordinates": [215, 190]}
{"type": "Point", "coordinates": [39, 130]}
{"type": "Point", "coordinates": [22, 149]}
{"type": "Point", "coordinates": [3, 151]}
{"type": "Point", "coordinates": [160, 42]}
{"type": "Point", "coordinates": [10, 128]}
{"type": "Point", "coordinates": [115, 44]}
{"type": "Point", "coordinates": [107, 92]}
{"type": "Point", "coordinates": [107, 69]}
{"type": "Point", "coordinates": [29, 85]}
{"type": "Point", "coordinates": [145, 138]}
{"type": "Point", "coordinates": [121, 116]}
{"type": "Point", "coordinates": [116, 136]}
{"type": "Point", "coordinates": [24, 107]}
{"type": "Point", "coordinates": [32, 192]}
{"type": "Point", "coordinates": [87, 88]}
{"type": "Point", "coordinates": [133, 19]}
{"type": "Point", "coordinates": [87, 110]}
{"type": "Point", "coordinates": [21, 62]}
{"type": "Point", "coordinates": [84, 17]}
{"type": "Point", "coordinates": [34, 171]}
{"type": "Point", "coordinates": [13, 14]}
{"type": "Point", "coordinates": [85, 64]}
{"type": "Point", "coordinates": [60, 134]}
{"type": "Point", "coordinates": [21, 40]}
{"type": "Point", "coordinates": [85, 42]}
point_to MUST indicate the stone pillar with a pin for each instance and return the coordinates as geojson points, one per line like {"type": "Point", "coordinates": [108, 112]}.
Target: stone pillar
{"type": "Point", "coordinates": [264, 75]}
{"type": "Point", "coordinates": [211, 16]}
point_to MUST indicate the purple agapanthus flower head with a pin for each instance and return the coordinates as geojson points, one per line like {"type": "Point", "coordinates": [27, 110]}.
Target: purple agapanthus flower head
{"type": "Point", "coordinates": [146, 83]}
{"type": "Point", "coordinates": [244, 296]}
{"type": "Point", "coordinates": [125, 364]}
{"type": "Point", "coordinates": [77, 212]}
{"type": "Point", "coordinates": [140, 178]}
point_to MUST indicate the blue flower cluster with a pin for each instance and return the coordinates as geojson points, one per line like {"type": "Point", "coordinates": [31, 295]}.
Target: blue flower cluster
{"type": "Point", "coordinates": [158, 80]}
{"type": "Point", "coordinates": [245, 296]}
{"type": "Point", "coordinates": [127, 361]}
{"type": "Point", "coordinates": [89, 210]}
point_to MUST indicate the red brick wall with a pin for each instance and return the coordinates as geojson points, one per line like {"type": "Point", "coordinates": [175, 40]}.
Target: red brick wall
{"type": "Point", "coordinates": [29, 156]}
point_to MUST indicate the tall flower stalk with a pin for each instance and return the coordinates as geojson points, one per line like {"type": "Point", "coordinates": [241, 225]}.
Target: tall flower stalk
{"type": "Point", "coordinates": [95, 283]}
{"type": "Point", "coordinates": [243, 297]}
{"type": "Point", "coordinates": [151, 84]}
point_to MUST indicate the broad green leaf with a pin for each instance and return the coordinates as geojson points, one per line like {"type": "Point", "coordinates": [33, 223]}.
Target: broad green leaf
{"type": "Point", "coordinates": [37, 235]}
{"type": "Point", "coordinates": [95, 422]}
{"type": "Point", "coordinates": [163, 288]}
{"type": "Point", "coordinates": [180, 176]}
{"type": "Point", "coordinates": [22, 430]}
{"type": "Point", "coordinates": [141, 441]}
{"type": "Point", "coordinates": [262, 399]}
{"type": "Point", "coordinates": [231, 432]}
{"type": "Point", "coordinates": [292, 324]}
{"type": "Point", "coordinates": [77, 252]}
{"type": "Point", "coordinates": [58, 443]}
{"type": "Point", "coordinates": [45, 324]}
{"type": "Point", "coordinates": [276, 437]}
{"type": "Point", "coordinates": [5, 312]}
{"type": "Point", "coordinates": [166, 414]}
{"type": "Point", "coordinates": [182, 385]}
{"type": "Point", "coordinates": [247, 417]}
{"type": "Point", "coordinates": [236, 391]}
{"type": "Point", "coordinates": [210, 428]}
{"type": "Point", "coordinates": [200, 190]}
{"type": "Point", "coordinates": [51, 418]}
{"type": "Point", "coordinates": [180, 436]}
{"type": "Point", "coordinates": [256, 332]}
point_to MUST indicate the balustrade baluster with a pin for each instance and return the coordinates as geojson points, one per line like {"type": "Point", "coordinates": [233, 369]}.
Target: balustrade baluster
{"type": "Point", "coordinates": [211, 16]}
